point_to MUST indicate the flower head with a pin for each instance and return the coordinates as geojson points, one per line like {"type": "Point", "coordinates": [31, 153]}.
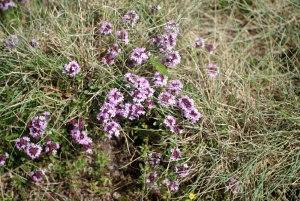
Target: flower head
{"type": "Point", "coordinates": [165, 99]}
{"type": "Point", "coordinates": [212, 70]}
{"type": "Point", "coordinates": [175, 86]}
{"type": "Point", "coordinates": [51, 147]}
{"type": "Point", "coordinates": [173, 186]}
{"type": "Point", "coordinates": [130, 18]}
{"type": "Point", "coordinates": [106, 28]}
{"type": "Point", "coordinates": [210, 48]}
{"type": "Point", "coordinates": [159, 79]}
{"type": "Point", "coordinates": [154, 9]}
{"type": "Point", "coordinates": [154, 158]}
{"type": "Point", "coordinates": [232, 186]}
{"type": "Point", "coordinates": [37, 175]}
{"type": "Point", "coordinates": [5, 4]}
{"type": "Point", "coordinates": [112, 127]}
{"type": "Point", "coordinates": [33, 150]}
{"type": "Point", "coordinates": [151, 178]}
{"type": "Point", "coordinates": [139, 55]}
{"type": "Point", "coordinates": [107, 111]}
{"type": "Point", "coordinates": [175, 154]}
{"type": "Point", "coordinates": [21, 143]}
{"type": "Point", "coordinates": [185, 103]}
{"type": "Point", "coordinates": [169, 121]}
{"type": "Point", "coordinates": [3, 158]}
{"type": "Point", "coordinates": [171, 27]}
{"type": "Point", "coordinates": [11, 41]}
{"type": "Point", "coordinates": [123, 36]}
{"type": "Point", "coordinates": [34, 44]}
{"type": "Point", "coordinates": [115, 97]}
{"type": "Point", "coordinates": [172, 58]}
{"type": "Point", "coordinates": [72, 68]}
{"type": "Point", "coordinates": [182, 170]}
{"type": "Point", "coordinates": [199, 43]}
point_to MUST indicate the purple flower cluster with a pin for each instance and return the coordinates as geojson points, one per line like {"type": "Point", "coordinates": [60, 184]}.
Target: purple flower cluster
{"type": "Point", "coordinates": [72, 68]}
{"type": "Point", "coordinates": [5, 4]}
{"type": "Point", "coordinates": [232, 186]}
{"type": "Point", "coordinates": [33, 44]}
{"type": "Point", "coordinates": [37, 126]}
{"type": "Point", "coordinates": [3, 158]}
{"type": "Point", "coordinates": [182, 170]}
{"type": "Point", "coordinates": [212, 70]}
{"type": "Point", "coordinates": [106, 28]}
{"type": "Point", "coordinates": [159, 80]}
{"type": "Point", "coordinates": [112, 53]}
{"type": "Point", "coordinates": [165, 99]}
{"type": "Point", "coordinates": [168, 39]}
{"type": "Point", "coordinates": [33, 150]}
{"type": "Point", "coordinates": [154, 158]}
{"type": "Point", "coordinates": [154, 9]}
{"type": "Point", "coordinates": [37, 175]}
{"type": "Point", "coordinates": [172, 58]}
{"type": "Point", "coordinates": [131, 17]}
{"type": "Point", "coordinates": [151, 178]}
{"type": "Point", "coordinates": [139, 55]}
{"type": "Point", "coordinates": [190, 112]}
{"type": "Point", "coordinates": [173, 186]}
{"type": "Point", "coordinates": [170, 122]}
{"type": "Point", "coordinates": [200, 43]}
{"type": "Point", "coordinates": [11, 41]}
{"type": "Point", "coordinates": [80, 136]}
{"type": "Point", "coordinates": [175, 154]}
{"type": "Point", "coordinates": [122, 36]}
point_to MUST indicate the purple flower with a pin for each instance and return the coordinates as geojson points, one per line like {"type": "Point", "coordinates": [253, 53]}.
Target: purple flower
{"type": "Point", "coordinates": [115, 97]}
{"type": "Point", "coordinates": [46, 114]}
{"type": "Point", "coordinates": [34, 44]}
{"type": "Point", "coordinates": [159, 79]}
{"type": "Point", "coordinates": [114, 51]}
{"type": "Point", "coordinates": [182, 170]}
{"type": "Point", "coordinates": [21, 143]}
{"type": "Point", "coordinates": [131, 78]}
{"type": "Point", "coordinates": [232, 186]}
{"type": "Point", "coordinates": [165, 99]}
{"type": "Point", "coordinates": [172, 58]}
{"type": "Point", "coordinates": [210, 48]}
{"type": "Point", "coordinates": [175, 129]}
{"type": "Point", "coordinates": [51, 147]}
{"type": "Point", "coordinates": [154, 158]}
{"type": "Point", "coordinates": [130, 18]}
{"type": "Point", "coordinates": [176, 154]}
{"type": "Point", "coordinates": [88, 148]}
{"type": "Point", "coordinates": [139, 55]}
{"type": "Point", "coordinates": [139, 95]}
{"type": "Point", "coordinates": [22, 1]}
{"type": "Point", "coordinates": [108, 60]}
{"type": "Point", "coordinates": [199, 43]}
{"type": "Point", "coordinates": [185, 103]}
{"type": "Point", "coordinates": [141, 83]}
{"type": "Point", "coordinates": [11, 41]}
{"type": "Point", "coordinates": [171, 27]}
{"type": "Point", "coordinates": [151, 178]}
{"type": "Point", "coordinates": [37, 175]}
{"type": "Point", "coordinates": [154, 9]}
{"type": "Point", "coordinates": [149, 104]}
{"type": "Point", "coordinates": [164, 42]}
{"type": "Point", "coordinates": [33, 150]}
{"type": "Point", "coordinates": [3, 158]}
{"type": "Point", "coordinates": [112, 128]}
{"type": "Point", "coordinates": [107, 111]}
{"type": "Point", "coordinates": [106, 28]}
{"type": "Point", "coordinates": [5, 4]}
{"type": "Point", "coordinates": [173, 186]}
{"type": "Point", "coordinates": [39, 123]}
{"type": "Point", "coordinates": [175, 86]}
{"type": "Point", "coordinates": [123, 36]}
{"type": "Point", "coordinates": [193, 114]}
{"type": "Point", "coordinates": [136, 111]}
{"type": "Point", "coordinates": [212, 70]}
{"type": "Point", "coordinates": [72, 68]}
{"type": "Point", "coordinates": [169, 121]}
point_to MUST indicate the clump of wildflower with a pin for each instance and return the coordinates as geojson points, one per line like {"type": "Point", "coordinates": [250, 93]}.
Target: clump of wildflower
{"type": "Point", "coordinates": [139, 55]}
{"type": "Point", "coordinates": [165, 99]}
{"type": "Point", "coordinates": [107, 111]}
{"type": "Point", "coordinates": [182, 170]}
{"type": "Point", "coordinates": [106, 28]}
{"type": "Point", "coordinates": [169, 121]}
{"type": "Point", "coordinates": [3, 158]}
{"type": "Point", "coordinates": [52, 147]}
{"type": "Point", "coordinates": [199, 43]}
{"type": "Point", "coordinates": [115, 97]}
{"type": "Point", "coordinates": [212, 70]}
{"type": "Point", "coordinates": [131, 78]}
{"type": "Point", "coordinates": [172, 58]}
{"type": "Point", "coordinates": [33, 150]}
{"type": "Point", "coordinates": [175, 86]}
{"type": "Point", "coordinates": [193, 114]}
{"type": "Point", "coordinates": [111, 128]}
{"type": "Point", "coordinates": [171, 27]}
{"type": "Point", "coordinates": [210, 48]}
{"type": "Point", "coordinates": [232, 186]}
{"type": "Point", "coordinates": [154, 158]}
{"type": "Point", "coordinates": [151, 178]}
{"type": "Point", "coordinates": [37, 126]}
{"type": "Point", "coordinates": [123, 36]}
{"type": "Point", "coordinates": [11, 41]}
{"type": "Point", "coordinates": [21, 143]}
{"type": "Point", "coordinates": [112, 53]}
{"type": "Point", "coordinates": [37, 175]}
{"type": "Point", "coordinates": [173, 186]}
{"type": "Point", "coordinates": [131, 17]}
{"type": "Point", "coordinates": [72, 68]}
{"type": "Point", "coordinates": [154, 9]}
{"type": "Point", "coordinates": [159, 79]}
{"type": "Point", "coordinates": [5, 4]}
{"type": "Point", "coordinates": [80, 136]}
{"type": "Point", "coordinates": [175, 154]}
{"type": "Point", "coordinates": [187, 105]}
{"type": "Point", "coordinates": [34, 44]}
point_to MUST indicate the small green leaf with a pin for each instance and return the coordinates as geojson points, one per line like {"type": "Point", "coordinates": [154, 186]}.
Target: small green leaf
{"type": "Point", "coordinates": [159, 67]}
{"type": "Point", "coordinates": [12, 136]}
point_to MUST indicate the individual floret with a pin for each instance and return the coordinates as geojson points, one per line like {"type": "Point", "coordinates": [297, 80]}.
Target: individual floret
{"type": "Point", "coordinates": [210, 48]}
{"type": "Point", "coordinates": [154, 158]}
{"type": "Point", "coordinates": [72, 68]}
{"type": "Point", "coordinates": [154, 9]}
{"type": "Point", "coordinates": [232, 186]}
